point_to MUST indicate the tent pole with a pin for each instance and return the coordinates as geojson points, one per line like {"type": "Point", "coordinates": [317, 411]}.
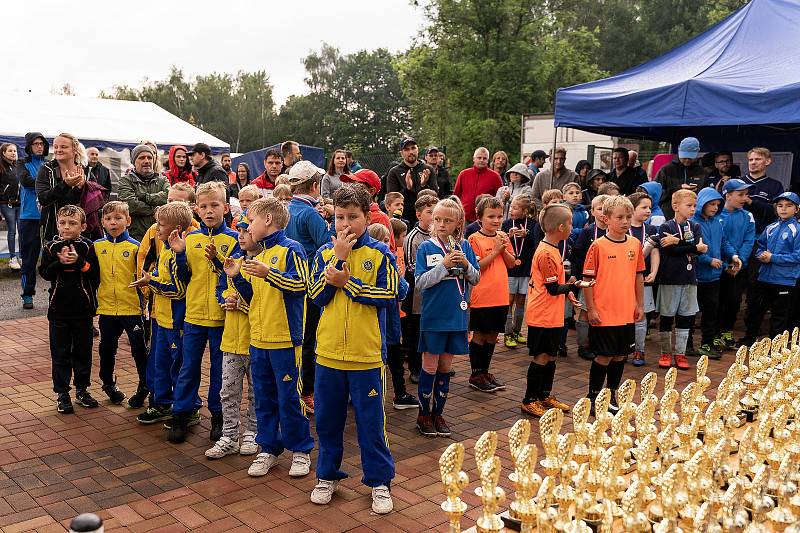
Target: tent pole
{"type": "Point", "coordinates": [555, 138]}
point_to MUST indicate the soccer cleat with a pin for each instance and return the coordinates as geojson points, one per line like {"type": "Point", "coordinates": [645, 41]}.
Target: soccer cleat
{"type": "Point", "coordinates": [493, 380]}
{"type": "Point", "coordinates": [224, 446]}
{"type": "Point", "coordinates": [613, 405]}
{"type": "Point", "coordinates": [261, 465]}
{"type": "Point", "coordinates": [27, 302]}
{"type": "Point", "coordinates": [426, 427]}
{"type": "Point", "coordinates": [83, 398]}
{"type": "Point", "coordinates": [481, 383]}
{"type": "Point", "coordinates": [216, 427]}
{"type": "Point", "coordinates": [534, 408]}
{"type": "Point", "coordinates": [192, 420]}
{"type": "Point", "coordinates": [323, 492]}
{"type": "Point", "coordinates": [381, 500]}
{"type": "Point", "coordinates": [727, 338]}
{"type": "Point", "coordinates": [510, 341]}
{"type": "Point", "coordinates": [154, 413]}
{"type": "Point", "coordinates": [407, 401]}
{"type": "Point", "coordinates": [705, 349]}
{"type": "Point", "coordinates": [520, 339]}
{"type": "Point", "coordinates": [136, 401]}
{"type": "Point", "coordinates": [681, 361]}
{"type": "Point", "coordinates": [638, 359]}
{"type": "Point", "coordinates": [301, 464]}
{"type": "Point", "coordinates": [551, 402]}
{"type": "Point", "coordinates": [115, 395]}
{"type": "Point", "coordinates": [64, 404]}
{"type": "Point", "coordinates": [249, 445]}
{"type": "Point", "coordinates": [710, 351]}
{"type": "Point", "coordinates": [442, 429]}
{"type": "Point", "coordinates": [308, 401]}
{"type": "Point", "coordinates": [665, 360]}
{"type": "Point", "coordinates": [719, 345]}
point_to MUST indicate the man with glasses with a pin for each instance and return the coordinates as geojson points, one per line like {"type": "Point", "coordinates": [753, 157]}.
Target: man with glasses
{"type": "Point", "coordinates": [554, 177]}
{"type": "Point", "coordinates": [30, 246]}
{"type": "Point", "coordinates": [724, 169]}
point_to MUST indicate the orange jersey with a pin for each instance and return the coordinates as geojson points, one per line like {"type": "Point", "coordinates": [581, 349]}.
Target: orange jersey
{"type": "Point", "coordinates": [492, 289]}
{"type": "Point", "coordinates": [542, 308]}
{"type": "Point", "coordinates": [614, 265]}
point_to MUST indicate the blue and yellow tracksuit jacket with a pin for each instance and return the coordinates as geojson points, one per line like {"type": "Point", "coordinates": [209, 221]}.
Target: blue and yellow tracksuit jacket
{"type": "Point", "coordinates": [117, 258]}
{"type": "Point", "coordinates": [277, 302]}
{"type": "Point", "coordinates": [201, 276]}
{"type": "Point", "coordinates": [352, 327]}
{"type": "Point", "coordinates": [169, 292]}
{"type": "Point", "coordinates": [236, 334]}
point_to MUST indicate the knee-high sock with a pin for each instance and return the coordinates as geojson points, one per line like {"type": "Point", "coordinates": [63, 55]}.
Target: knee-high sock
{"type": "Point", "coordinates": [564, 332]}
{"type": "Point", "coordinates": [614, 376]}
{"type": "Point", "coordinates": [425, 391]}
{"type": "Point", "coordinates": [441, 387]}
{"type": "Point", "coordinates": [475, 357]}
{"type": "Point", "coordinates": [519, 316]}
{"type": "Point", "coordinates": [641, 334]}
{"type": "Point", "coordinates": [681, 338]}
{"type": "Point", "coordinates": [533, 389]}
{"type": "Point", "coordinates": [597, 377]}
{"type": "Point", "coordinates": [666, 341]}
{"type": "Point", "coordinates": [488, 351]}
{"type": "Point", "coordinates": [582, 333]}
{"type": "Point", "coordinates": [549, 377]}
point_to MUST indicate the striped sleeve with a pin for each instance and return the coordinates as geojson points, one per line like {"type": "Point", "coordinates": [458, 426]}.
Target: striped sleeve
{"type": "Point", "coordinates": [295, 279]}
{"type": "Point", "coordinates": [383, 293]}
{"type": "Point", "coordinates": [319, 291]}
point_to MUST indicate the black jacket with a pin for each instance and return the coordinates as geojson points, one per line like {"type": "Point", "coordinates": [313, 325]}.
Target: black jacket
{"type": "Point", "coordinates": [628, 181]}
{"type": "Point", "coordinates": [674, 174]}
{"type": "Point", "coordinates": [73, 288]}
{"type": "Point", "coordinates": [9, 186]}
{"type": "Point", "coordinates": [443, 181]}
{"type": "Point", "coordinates": [99, 174]}
{"type": "Point", "coordinates": [53, 194]}
{"type": "Point", "coordinates": [211, 171]}
{"type": "Point", "coordinates": [396, 182]}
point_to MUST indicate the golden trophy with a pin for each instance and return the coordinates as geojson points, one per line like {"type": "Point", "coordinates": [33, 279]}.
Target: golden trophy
{"type": "Point", "coordinates": [634, 520]}
{"type": "Point", "coordinates": [454, 481]}
{"type": "Point", "coordinates": [698, 483]}
{"type": "Point", "coordinates": [783, 515]}
{"type": "Point", "coordinates": [491, 496]}
{"type": "Point", "coordinates": [647, 466]}
{"type": "Point", "coordinates": [734, 516]}
{"type": "Point", "coordinates": [485, 447]}
{"type": "Point", "coordinates": [527, 482]}
{"type": "Point", "coordinates": [549, 427]}
{"type": "Point", "coordinates": [580, 418]}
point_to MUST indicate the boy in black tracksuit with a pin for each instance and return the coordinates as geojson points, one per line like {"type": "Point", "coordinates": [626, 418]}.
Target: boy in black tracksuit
{"type": "Point", "coordinates": [70, 265]}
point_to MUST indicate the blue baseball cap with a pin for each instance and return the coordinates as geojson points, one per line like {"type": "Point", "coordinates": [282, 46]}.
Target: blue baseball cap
{"type": "Point", "coordinates": [792, 197]}
{"type": "Point", "coordinates": [734, 185]}
{"type": "Point", "coordinates": [689, 147]}
{"type": "Point", "coordinates": [244, 222]}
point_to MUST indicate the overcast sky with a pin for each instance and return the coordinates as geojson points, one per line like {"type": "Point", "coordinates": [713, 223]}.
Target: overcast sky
{"type": "Point", "coordinates": [93, 45]}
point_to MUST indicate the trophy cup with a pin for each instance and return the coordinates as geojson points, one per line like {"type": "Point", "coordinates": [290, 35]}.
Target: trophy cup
{"type": "Point", "coordinates": [697, 484]}
{"type": "Point", "coordinates": [491, 496]}
{"type": "Point", "coordinates": [634, 520]}
{"type": "Point", "coordinates": [647, 467]}
{"type": "Point", "coordinates": [523, 510]}
{"type": "Point", "coordinates": [783, 515]}
{"type": "Point", "coordinates": [734, 516]}
{"type": "Point", "coordinates": [580, 417]}
{"type": "Point", "coordinates": [549, 427]}
{"type": "Point", "coordinates": [454, 481]}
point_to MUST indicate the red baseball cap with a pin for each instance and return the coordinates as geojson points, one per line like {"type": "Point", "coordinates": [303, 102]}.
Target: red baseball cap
{"type": "Point", "coordinates": [366, 176]}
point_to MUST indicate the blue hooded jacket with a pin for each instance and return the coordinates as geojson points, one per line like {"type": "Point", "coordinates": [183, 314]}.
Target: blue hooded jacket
{"type": "Point", "coordinates": [713, 236]}
{"type": "Point", "coordinates": [579, 219]}
{"type": "Point", "coordinates": [782, 239]}
{"type": "Point", "coordinates": [740, 232]}
{"type": "Point", "coordinates": [654, 189]}
{"type": "Point", "coordinates": [27, 170]}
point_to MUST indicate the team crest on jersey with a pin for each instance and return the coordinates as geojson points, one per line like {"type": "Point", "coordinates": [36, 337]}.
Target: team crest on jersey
{"type": "Point", "coordinates": [224, 248]}
{"type": "Point", "coordinates": [273, 260]}
{"type": "Point", "coordinates": [631, 255]}
{"type": "Point", "coordinates": [198, 245]}
{"type": "Point", "coordinates": [126, 253]}
{"type": "Point", "coordinates": [368, 265]}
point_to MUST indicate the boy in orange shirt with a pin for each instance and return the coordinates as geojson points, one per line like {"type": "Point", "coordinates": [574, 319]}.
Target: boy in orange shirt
{"type": "Point", "coordinates": [615, 262]}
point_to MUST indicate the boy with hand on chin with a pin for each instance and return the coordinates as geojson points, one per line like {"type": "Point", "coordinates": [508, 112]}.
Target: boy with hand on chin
{"type": "Point", "coordinates": [355, 280]}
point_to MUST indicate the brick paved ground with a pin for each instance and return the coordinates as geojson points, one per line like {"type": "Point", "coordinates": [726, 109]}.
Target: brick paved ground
{"type": "Point", "coordinates": [53, 467]}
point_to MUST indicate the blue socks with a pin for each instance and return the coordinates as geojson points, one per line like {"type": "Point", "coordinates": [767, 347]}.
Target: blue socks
{"type": "Point", "coordinates": [440, 390]}
{"type": "Point", "coordinates": [425, 391]}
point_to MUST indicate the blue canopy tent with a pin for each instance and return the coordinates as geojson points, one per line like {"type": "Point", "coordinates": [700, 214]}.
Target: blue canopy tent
{"type": "Point", "coordinates": [735, 86]}
{"type": "Point", "coordinates": [255, 159]}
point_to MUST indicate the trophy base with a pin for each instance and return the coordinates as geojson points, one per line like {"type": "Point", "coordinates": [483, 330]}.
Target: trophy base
{"type": "Point", "coordinates": [510, 523]}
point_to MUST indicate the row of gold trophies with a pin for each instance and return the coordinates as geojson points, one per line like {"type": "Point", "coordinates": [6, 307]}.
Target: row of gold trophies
{"type": "Point", "coordinates": [704, 469]}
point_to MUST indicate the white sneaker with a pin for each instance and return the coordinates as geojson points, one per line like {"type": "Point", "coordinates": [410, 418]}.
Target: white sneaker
{"type": "Point", "coordinates": [14, 263]}
{"type": "Point", "coordinates": [323, 492]}
{"type": "Point", "coordinates": [262, 464]}
{"type": "Point", "coordinates": [382, 500]}
{"type": "Point", "coordinates": [224, 446]}
{"type": "Point", "coordinates": [249, 445]}
{"type": "Point", "coordinates": [301, 464]}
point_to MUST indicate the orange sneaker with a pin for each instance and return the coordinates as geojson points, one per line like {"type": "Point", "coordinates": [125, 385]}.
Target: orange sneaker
{"type": "Point", "coordinates": [534, 408]}
{"type": "Point", "coordinates": [681, 361]}
{"type": "Point", "coordinates": [665, 360]}
{"type": "Point", "coordinates": [551, 402]}
{"type": "Point", "coordinates": [308, 402]}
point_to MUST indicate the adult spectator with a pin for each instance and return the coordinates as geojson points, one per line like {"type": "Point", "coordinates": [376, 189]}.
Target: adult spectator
{"type": "Point", "coordinates": [60, 181]}
{"type": "Point", "coordinates": [9, 198]}
{"type": "Point", "coordinates": [337, 167]}
{"type": "Point", "coordinates": [207, 169]}
{"type": "Point", "coordinates": [500, 165]}
{"type": "Point", "coordinates": [352, 164]}
{"type": "Point", "coordinates": [180, 169]}
{"type": "Point", "coordinates": [30, 245]}
{"type": "Point", "coordinates": [683, 172]}
{"type": "Point", "coordinates": [763, 189]}
{"type": "Point", "coordinates": [594, 179]}
{"type": "Point", "coordinates": [143, 190]}
{"type": "Point", "coordinates": [225, 163]}
{"type": "Point", "coordinates": [435, 159]}
{"type": "Point", "coordinates": [95, 170]}
{"type": "Point", "coordinates": [290, 151]}
{"type": "Point", "coordinates": [158, 166]}
{"type": "Point", "coordinates": [242, 179]}
{"type": "Point", "coordinates": [554, 177]}
{"type": "Point", "coordinates": [273, 163]}
{"type": "Point", "coordinates": [409, 177]}
{"type": "Point", "coordinates": [626, 178]}
{"type": "Point", "coordinates": [476, 180]}
{"type": "Point", "coordinates": [538, 158]}
{"type": "Point", "coordinates": [582, 170]}
{"type": "Point", "coordinates": [724, 169]}
{"type": "Point", "coordinates": [633, 162]}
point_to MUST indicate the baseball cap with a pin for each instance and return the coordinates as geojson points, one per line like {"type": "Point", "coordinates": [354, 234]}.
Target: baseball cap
{"type": "Point", "coordinates": [734, 185]}
{"type": "Point", "coordinates": [792, 197]}
{"type": "Point", "coordinates": [244, 222]}
{"type": "Point", "coordinates": [406, 141]}
{"type": "Point", "coordinates": [689, 148]}
{"type": "Point", "coordinates": [201, 148]}
{"type": "Point", "coordinates": [539, 153]}
{"type": "Point", "coordinates": [303, 171]}
{"type": "Point", "coordinates": [431, 150]}
{"type": "Point", "coordinates": [365, 176]}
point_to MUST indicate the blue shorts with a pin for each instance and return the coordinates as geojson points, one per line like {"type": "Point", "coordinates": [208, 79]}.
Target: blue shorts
{"type": "Point", "coordinates": [437, 342]}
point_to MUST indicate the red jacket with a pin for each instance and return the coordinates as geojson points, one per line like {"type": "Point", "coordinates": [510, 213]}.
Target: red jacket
{"type": "Point", "coordinates": [471, 183]}
{"type": "Point", "coordinates": [376, 216]}
{"type": "Point", "coordinates": [263, 182]}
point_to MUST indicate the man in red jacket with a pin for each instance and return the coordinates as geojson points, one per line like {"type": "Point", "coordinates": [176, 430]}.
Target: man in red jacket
{"type": "Point", "coordinates": [477, 180]}
{"type": "Point", "coordinates": [273, 162]}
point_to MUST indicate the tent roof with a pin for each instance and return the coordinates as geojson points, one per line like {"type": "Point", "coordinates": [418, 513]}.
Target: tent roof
{"type": "Point", "coordinates": [743, 71]}
{"type": "Point", "coordinates": [97, 121]}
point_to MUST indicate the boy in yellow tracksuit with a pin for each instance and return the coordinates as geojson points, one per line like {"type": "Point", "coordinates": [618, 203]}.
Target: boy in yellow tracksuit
{"type": "Point", "coordinates": [354, 280]}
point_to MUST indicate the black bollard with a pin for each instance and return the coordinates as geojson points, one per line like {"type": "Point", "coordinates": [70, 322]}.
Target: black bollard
{"type": "Point", "coordinates": [86, 523]}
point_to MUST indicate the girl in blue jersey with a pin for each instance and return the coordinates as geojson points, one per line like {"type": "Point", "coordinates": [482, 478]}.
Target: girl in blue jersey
{"type": "Point", "coordinates": [445, 267]}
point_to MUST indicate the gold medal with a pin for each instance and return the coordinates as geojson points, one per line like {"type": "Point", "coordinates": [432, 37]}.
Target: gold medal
{"type": "Point", "coordinates": [518, 262]}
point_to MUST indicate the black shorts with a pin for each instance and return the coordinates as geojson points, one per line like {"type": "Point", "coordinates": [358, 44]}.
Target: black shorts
{"type": "Point", "coordinates": [488, 318]}
{"type": "Point", "coordinates": [612, 340]}
{"type": "Point", "coordinates": [543, 340]}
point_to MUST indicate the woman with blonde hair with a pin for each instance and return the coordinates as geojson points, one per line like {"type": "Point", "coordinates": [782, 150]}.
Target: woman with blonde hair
{"type": "Point", "coordinates": [60, 181]}
{"type": "Point", "coordinates": [500, 164]}
{"type": "Point", "coordinates": [9, 198]}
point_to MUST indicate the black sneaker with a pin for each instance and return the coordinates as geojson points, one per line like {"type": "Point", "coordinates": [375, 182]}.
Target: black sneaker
{"type": "Point", "coordinates": [82, 397]}
{"type": "Point", "coordinates": [192, 420]}
{"type": "Point", "coordinates": [64, 404]}
{"type": "Point", "coordinates": [613, 406]}
{"type": "Point", "coordinates": [481, 382]}
{"type": "Point", "coordinates": [216, 427]}
{"type": "Point", "coordinates": [177, 429]}
{"type": "Point", "coordinates": [114, 394]}
{"type": "Point", "coordinates": [139, 397]}
{"type": "Point", "coordinates": [407, 401]}
{"type": "Point", "coordinates": [154, 413]}
{"type": "Point", "coordinates": [426, 427]}
{"type": "Point", "coordinates": [27, 302]}
{"type": "Point", "coordinates": [585, 353]}
{"type": "Point", "coordinates": [562, 351]}
{"type": "Point", "coordinates": [441, 426]}
{"type": "Point", "coordinates": [414, 378]}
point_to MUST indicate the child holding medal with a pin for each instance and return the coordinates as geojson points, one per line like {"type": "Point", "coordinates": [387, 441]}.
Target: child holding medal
{"type": "Point", "coordinates": [445, 267]}
{"type": "Point", "coordinates": [520, 230]}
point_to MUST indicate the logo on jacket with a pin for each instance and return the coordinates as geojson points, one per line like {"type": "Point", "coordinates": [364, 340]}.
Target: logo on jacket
{"type": "Point", "coordinates": [126, 253]}
{"type": "Point", "coordinates": [372, 393]}
{"type": "Point", "coordinates": [368, 265]}
{"type": "Point", "coordinates": [104, 252]}
{"type": "Point", "coordinates": [287, 377]}
{"type": "Point", "coordinates": [198, 245]}
{"type": "Point", "coordinates": [173, 346]}
{"type": "Point", "coordinates": [273, 260]}
{"type": "Point", "coordinates": [631, 255]}
{"type": "Point", "coordinates": [224, 248]}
